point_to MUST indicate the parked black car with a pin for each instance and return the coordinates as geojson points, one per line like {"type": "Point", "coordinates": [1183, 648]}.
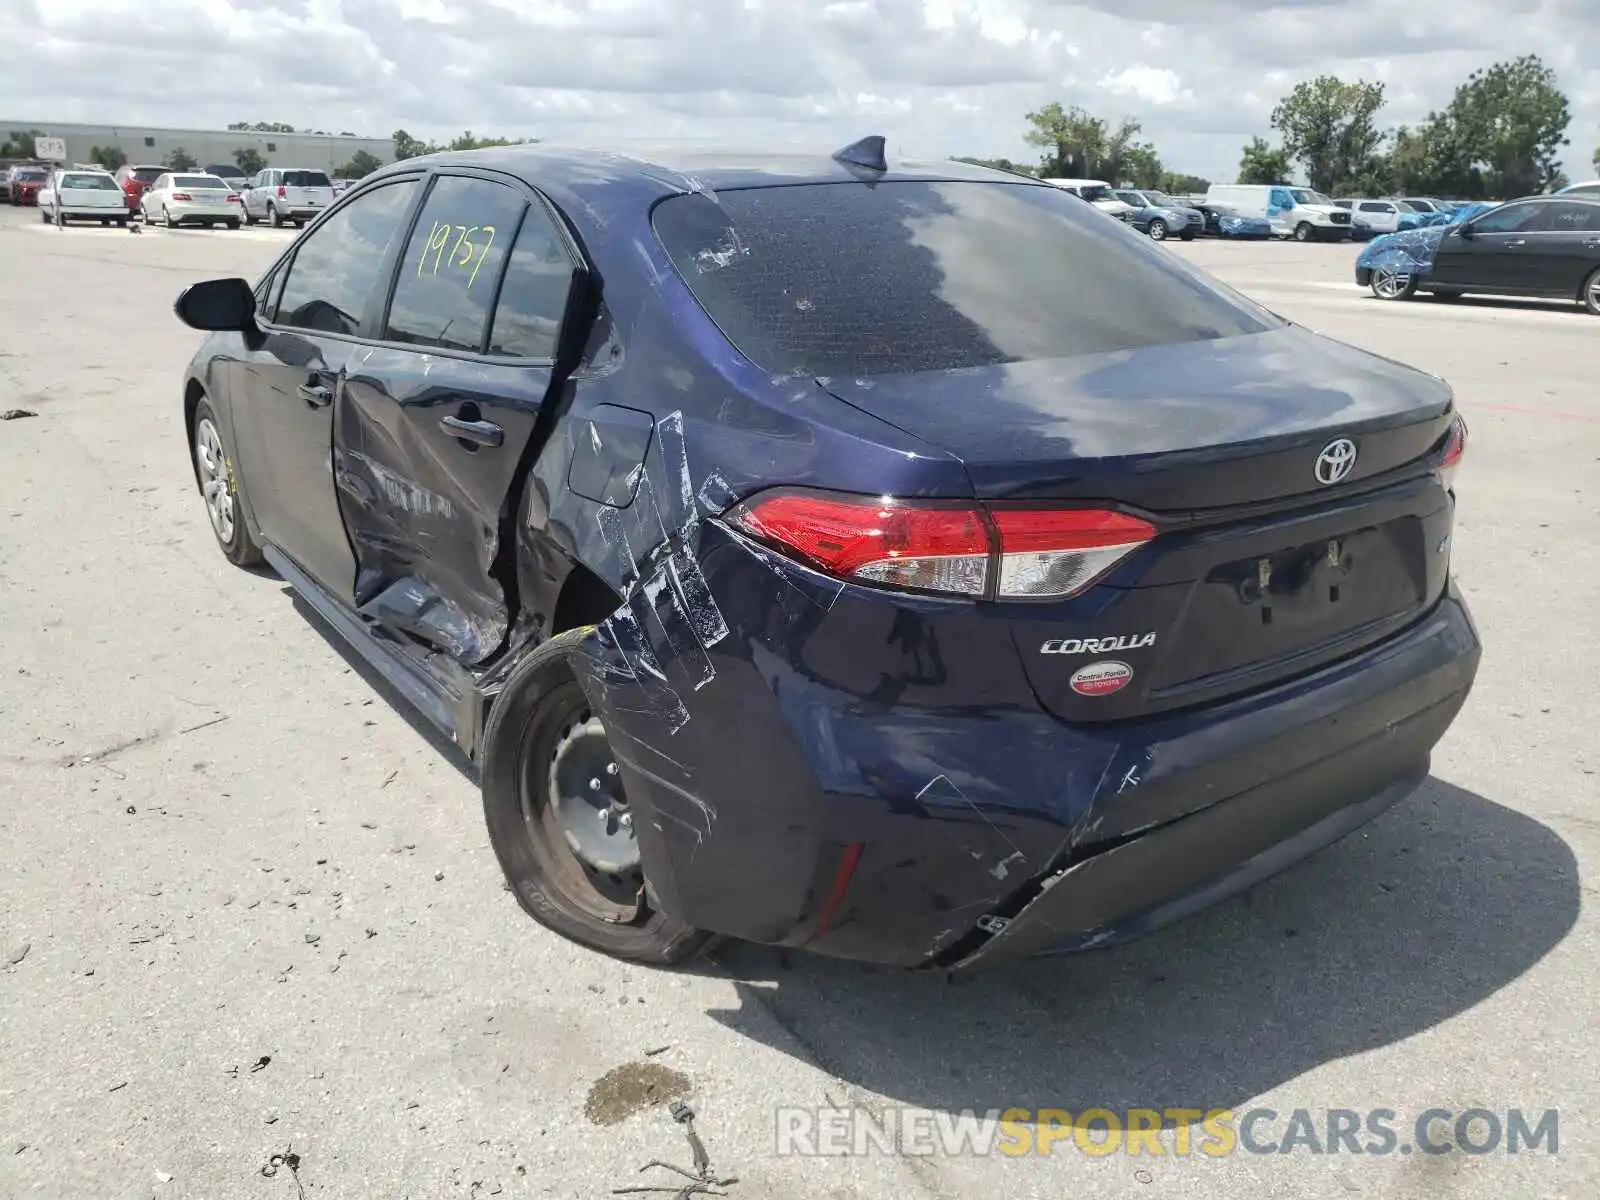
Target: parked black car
{"type": "Point", "coordinates": [1539, 246]}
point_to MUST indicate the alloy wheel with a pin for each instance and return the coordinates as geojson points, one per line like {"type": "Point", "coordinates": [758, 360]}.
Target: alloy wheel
{"type": "Point", "coordinates": [1389, 283]}
{"type": "Point", "coordinates": [216, 479]}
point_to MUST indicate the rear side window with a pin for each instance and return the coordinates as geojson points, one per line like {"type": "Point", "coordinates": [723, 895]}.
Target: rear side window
{"type": "Point", "coordinates": [1571, 218]}
{"type": "Point", "coordinates": [306, 179]}
{"type": "Point", "coordinates": [834, 279]}
{"type": "Point", "coordinates": [452, 264]}
{"type": "Point", "coordinates": [533, 298]}
{"type": "Point", "coordinates": [335, 268]}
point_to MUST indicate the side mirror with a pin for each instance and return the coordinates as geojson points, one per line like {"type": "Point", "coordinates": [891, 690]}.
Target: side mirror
{"type": "Point", "coordinates": [1466, 232]}
{"type": "Point", "coordinates": [217, 305]}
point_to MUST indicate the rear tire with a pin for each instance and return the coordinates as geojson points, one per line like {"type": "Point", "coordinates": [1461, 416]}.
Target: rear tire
{"type": "Point", "coordinates": [233, 224]}
{"type": "Point", "coordinates": [531, 727]}
{"type": "Point", "coordinates": [1188, 235]}
{"type": "Point", "coordinates": [1591, 293]}
{"type": "Point", "coordinates": [274, 217]}
{"type": "Point", "coordinates": [214, 471]}
{"type": "Point", "coordinates": [166, 216]}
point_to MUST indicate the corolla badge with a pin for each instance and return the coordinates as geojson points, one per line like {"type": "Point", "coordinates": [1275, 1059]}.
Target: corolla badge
{"type": "Point", "coordinates": [1337, 460]}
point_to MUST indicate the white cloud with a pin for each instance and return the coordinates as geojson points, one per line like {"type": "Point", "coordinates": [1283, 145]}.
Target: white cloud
{"type": "Point", "coordinates": [937, 76]}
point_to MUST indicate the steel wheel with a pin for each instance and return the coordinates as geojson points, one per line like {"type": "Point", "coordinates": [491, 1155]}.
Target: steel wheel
{"type": "Point", "coordinates": [216, 479]}
{"type": "Point", "coordinates": [1392, 283]}
{"type": "Point", "coordinates": [574, 806]}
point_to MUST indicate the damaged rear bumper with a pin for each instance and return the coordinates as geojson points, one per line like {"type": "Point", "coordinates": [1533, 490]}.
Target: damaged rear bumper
{"type": "Point", "coordinates": [873, 778]}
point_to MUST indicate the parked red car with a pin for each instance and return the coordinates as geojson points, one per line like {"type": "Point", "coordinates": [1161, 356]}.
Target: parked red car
{"type": "Point", "coordinates": [24, 183]}
{"type": "Point", "coordinates": [136, 180]}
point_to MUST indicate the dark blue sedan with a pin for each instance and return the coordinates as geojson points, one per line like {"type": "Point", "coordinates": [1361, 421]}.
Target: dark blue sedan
{"type": "Point", "coordinates": [900, 561]}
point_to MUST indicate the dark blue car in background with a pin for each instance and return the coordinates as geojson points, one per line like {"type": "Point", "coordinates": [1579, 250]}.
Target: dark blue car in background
{"type": "Point", "coordinates": [900, 561]}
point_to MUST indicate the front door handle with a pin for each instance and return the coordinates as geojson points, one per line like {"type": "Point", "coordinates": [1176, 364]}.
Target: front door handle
{"type": "Point", "coordinates": [317, 395]}
{"type": "Point", "coordinates": [1518, 242]}
{"type": "Point", "coordinates": [480, 433]}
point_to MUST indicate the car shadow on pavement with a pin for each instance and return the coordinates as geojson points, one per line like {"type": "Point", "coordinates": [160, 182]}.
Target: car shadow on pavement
{"type": "Point", "coordinates": [1423, 914]}
{"type": "Point", "coordinates": [1542, 304]}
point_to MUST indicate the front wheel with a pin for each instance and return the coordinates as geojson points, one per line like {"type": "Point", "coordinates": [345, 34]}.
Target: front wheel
{"type": "Point", "coordinates": [1393, 283]}
{"type": "Point", "coordinates": [214, 470]}
{"type": "Point", "coordinates": [233, 224]}
{"type": "Point", "coordinates": [1302, 232]}
{"type": "Point", "coordinates": [1158, 230]}
{"type": "Point", "coordinates": [559, 817]}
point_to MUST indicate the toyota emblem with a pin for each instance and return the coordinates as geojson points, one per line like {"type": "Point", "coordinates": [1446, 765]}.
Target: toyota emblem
{"type": "Point", "coordinates": [1337, 460]}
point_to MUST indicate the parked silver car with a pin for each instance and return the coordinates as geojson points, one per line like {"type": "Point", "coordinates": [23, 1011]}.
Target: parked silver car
{"type": "Point", "coordinates": [281, 196]}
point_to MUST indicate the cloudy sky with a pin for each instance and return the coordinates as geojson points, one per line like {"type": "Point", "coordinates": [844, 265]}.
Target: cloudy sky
{"type": "Point", "coordinates": [937, 76]}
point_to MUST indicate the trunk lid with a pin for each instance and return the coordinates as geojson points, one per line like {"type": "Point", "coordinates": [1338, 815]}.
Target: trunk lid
{"type": "Point", "coordinates": [1261, 569]}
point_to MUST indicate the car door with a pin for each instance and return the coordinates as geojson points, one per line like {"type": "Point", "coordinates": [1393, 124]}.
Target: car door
{"type": "Point", "coordinates": [287, 383]}
{"type": "Point", "coordinates": [1563, 249]}
{"type": "Point", "coordinates": [434, 425]}
{"type": "Point", "coordinates": [1487, 254]}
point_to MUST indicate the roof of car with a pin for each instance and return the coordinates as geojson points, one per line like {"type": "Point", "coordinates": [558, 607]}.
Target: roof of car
{"type": "Point", "coordinates": [684, 169]}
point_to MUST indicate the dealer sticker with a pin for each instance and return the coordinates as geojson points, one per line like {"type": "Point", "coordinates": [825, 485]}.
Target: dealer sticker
{"type": "Point", "coordinates": [1101, 678]}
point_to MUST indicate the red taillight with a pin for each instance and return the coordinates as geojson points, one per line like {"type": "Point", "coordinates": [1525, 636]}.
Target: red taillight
{"type": "Point", "coordinates": [953, 548]}
{"type": "Point", "coordinates": [232, 199]}
{"type": "Point", "coordinates": [184, 196]}
{"type": "Point", "coordinates": [1455, 446]}
{"type": "Point", "coordinates": [283, 192]}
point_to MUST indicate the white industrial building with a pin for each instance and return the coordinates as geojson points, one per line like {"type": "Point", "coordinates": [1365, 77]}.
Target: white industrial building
{"type": "Point", "coordinates": [150, 144]}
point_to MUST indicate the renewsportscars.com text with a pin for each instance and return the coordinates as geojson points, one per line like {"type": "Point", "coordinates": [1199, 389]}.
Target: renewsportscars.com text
{"type": "Point", "coordinates": [1164, 1132]}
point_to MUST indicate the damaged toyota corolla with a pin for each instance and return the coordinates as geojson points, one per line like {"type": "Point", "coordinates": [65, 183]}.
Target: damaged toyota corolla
{"type": "Point", "coordinates": [895, 560]}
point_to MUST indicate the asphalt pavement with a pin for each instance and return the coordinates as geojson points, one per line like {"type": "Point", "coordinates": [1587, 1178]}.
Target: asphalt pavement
{"type": "Point", "coordinates": [253, 941]}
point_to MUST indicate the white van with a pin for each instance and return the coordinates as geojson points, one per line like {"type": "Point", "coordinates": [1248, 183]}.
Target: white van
{"type": "Point", "coordinates": [1295, 212]}
{"type": "Point", "coordinates": [1098, 193]}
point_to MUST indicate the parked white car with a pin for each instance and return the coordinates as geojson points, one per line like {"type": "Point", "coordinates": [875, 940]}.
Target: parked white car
{"type": "Point", "coordinates": [279, 196]}
{"type": "Point", "coordinates": [1374, 216]}
{"type": "Point", "coordinates": [181, 197]}
{"type": "Point", "coordinates": [1098, 193]}
{"type": "Point", "coordinates": [1295, 212]}
{"type": "Point", "coordinates": [82, 196]}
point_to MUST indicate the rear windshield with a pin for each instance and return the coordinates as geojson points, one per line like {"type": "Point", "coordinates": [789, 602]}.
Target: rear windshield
{"type": "Point", "coordinates": [89, 183]}
{"type": "Point", "coordinates": [29, 176]}
{"type": "Point", "coordinates": [841, 279]}
{"type": "Point", "coordinates": [197, 181]}
{"type": "Point", "coordinates": [306, 179]}
{"type": "Point", "coordinates": [226, 172]}
{"type": "Point", "coordinates": [148, 174]}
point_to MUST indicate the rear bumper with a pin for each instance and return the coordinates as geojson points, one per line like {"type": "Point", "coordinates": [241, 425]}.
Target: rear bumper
{"type": "Point", "coordinates": [875, 781]}
{"type": "Point", "coordinates": [114, 213]}
{"type": "Point", "coordinates": [206, 212]}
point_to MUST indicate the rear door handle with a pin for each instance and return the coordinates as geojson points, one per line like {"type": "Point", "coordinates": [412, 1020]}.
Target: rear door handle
{"type": "Point", "coordinates": [480, 433]}
{"type": "Point", "coordinates": [317, 395]}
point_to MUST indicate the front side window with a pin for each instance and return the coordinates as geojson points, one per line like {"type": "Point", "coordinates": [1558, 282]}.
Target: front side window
{"type": "Point", "coordinates": [1509, 218]}
{"type": "Point", "coordinates": [333, 272]}
{"type": "Point", "coordinates": [1307, 196]}
{"type": "Point", "coordinates": [452, 264]}
{"type": "Point", "coordinates": [841, 279]}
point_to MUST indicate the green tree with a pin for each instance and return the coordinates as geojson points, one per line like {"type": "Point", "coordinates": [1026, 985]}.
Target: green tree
{"type": "Point", "coordinates": [1507, 124]}
{"type": "Point", "coordinates": [406, 146]}
{"type": "Point", "coordinates": [1263, 163]}
{"type": "Point", "coordinates": [109, 158]}
{"type": "Point", "coordinates": [1172, 181]}
{"type": "Point", "coordinates": [249, 160]}
{"type": "Point", "coordinates": [1595, 161]}
{"type": "Point", "coordinates": [179, 159]}
{"type": "Point", "coordinates": [1330, 126]}
{"type": "Point", "coordinates": [361, 165]}
{"type": "Point", "coordinates": [1072, 140]}
{"type": "Point", "coordinates": [1140, 167]}
{"type": "Point", "coordinates": [261, 127]}
{"type": "Point", "coordinates": [20, 144]}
